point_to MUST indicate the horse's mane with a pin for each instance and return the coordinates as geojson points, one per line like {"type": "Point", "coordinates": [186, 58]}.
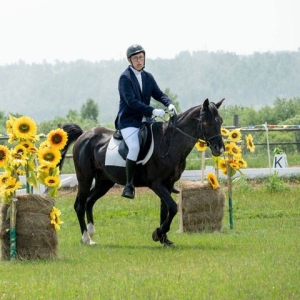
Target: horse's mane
{"type": "Point", "coordinates": [211, 107]}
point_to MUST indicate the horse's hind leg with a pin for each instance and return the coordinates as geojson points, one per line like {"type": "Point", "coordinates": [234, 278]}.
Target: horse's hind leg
{"type": "Point", "coordinates": [100, 189]}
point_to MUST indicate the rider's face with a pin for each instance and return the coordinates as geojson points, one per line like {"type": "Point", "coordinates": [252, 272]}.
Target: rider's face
{"type": "Point", "coordinates": [137, 61]}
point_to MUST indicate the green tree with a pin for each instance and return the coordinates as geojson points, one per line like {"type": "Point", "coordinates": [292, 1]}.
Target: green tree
{"type": "Point", "coordinates": [90, 110]}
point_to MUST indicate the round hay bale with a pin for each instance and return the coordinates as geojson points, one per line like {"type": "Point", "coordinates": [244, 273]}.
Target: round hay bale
{"type": "Point", "coordinates": [36, 237]}
{"type": "Point", "coordinates": [201, 208]}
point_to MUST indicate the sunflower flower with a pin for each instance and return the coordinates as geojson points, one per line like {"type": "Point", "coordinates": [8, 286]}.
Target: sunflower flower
{"type": "Point", "coordinates": [24, 128]}
{"type": "Point", "coordinates": [201, 145]}
{"type": "Point", "coordinates": [224, 131]}
{"type": "Point", "coordinates": [250, 144]}
{"type": "Point", "coordinates": [55, 218]}
{"type": "Point", "coordinates": [3, 155]}
{"type": "Point", "coordinates": [48, 156]}
{"type": "Point", "coordinates": [16, 159]}
{"type": "Point", "coordinates": [234, 135]}
{"type": "Point", "coordinates": [212, 179]}
{"type": "Point", "coordinates": [11, 185]}
{"type": "Point", "coordinates": [52, 181]}
{"type": "Point", "coordinates": [57, 138]}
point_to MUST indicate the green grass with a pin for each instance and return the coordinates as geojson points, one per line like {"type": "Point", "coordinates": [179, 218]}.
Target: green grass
{"type": "Point", "coordinates": [257, 259]}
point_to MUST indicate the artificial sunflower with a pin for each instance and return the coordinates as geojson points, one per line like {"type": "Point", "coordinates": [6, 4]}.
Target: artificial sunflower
{"type": "Point", "coordinates": [52, 181]}
{"type": "Point", "coordinates": [234, 135]}
{"type": "Point", "coordinates": [250, 144]}
{"type": "Point", "coordinates": [57, 138]}
{"type": "Point", "coordinates": [48, 156]}
{"type": "Point", "coordinates": [24, 128]}
{"type": "Point", "coordinates": [3, 155]}
{"type": "Point", "coordinates": [224, 131]}
{"type": "Point", "coordinates": [55, 218]}
{"type": "Point", "coordinates": [201, 145]}
{"type": "Point", "coordinates": [212, 179]}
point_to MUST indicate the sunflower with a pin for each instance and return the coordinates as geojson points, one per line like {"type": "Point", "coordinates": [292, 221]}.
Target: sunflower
{"type": "Point", "coordinates": [52, 181]}
{"type": "Point", "coordinates": [228, 147]}
{"type": "Point", "coordinates": [3, 155]}
{"type": "Point", "coordinates": [29, 146]}
{"type": "Point", "coordinates": [250, 144]}
{"type": "Point", "coordinates": [222, 164]}
{"type": "Point", "coordinates": [55, 218]}
{"type": "Point", "coordinates": [11, 185]}
{"type": "Point", "coordinates": [20, 149]}
{"type": "Point", "coordinates": [212, 179]}
{"type": "Point", "coordinates": [235, 135]}
{"type": "Point", "coordinates": [16, 159]}
{"type": "Point", "coordinates": [3, 179]}
{"type": "Point", "coordinates": [235, 150]}
{"type": "Point", "coordinates": [242, 163]}
{"type": "Point", "coordinates": [224, 131]}
{"type": "Point", "coordinates": [201, 145]}
{"type": "Point", "coordinates": [24, 128]}
{"type": "Point", "coordinates": [9, 128]}
{"type": "Point", "coordinates": [234, 165]}
{"type": "Point", "coordinates": [48, 156]}
{"type": "Point", "coordinates": [57, 138]}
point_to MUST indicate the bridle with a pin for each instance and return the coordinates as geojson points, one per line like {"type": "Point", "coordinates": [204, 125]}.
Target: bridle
{"type": "Point", "coordinates": [172, 123]}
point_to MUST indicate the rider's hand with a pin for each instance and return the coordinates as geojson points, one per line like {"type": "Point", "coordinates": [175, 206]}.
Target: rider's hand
{"type": "Point", "coordinates": [158, 112]}
{"type": "Point", "coordinates": [172, 110]}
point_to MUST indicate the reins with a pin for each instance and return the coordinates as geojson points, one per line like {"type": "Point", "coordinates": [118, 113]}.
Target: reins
{"type": "Point", "coordinates": [173, 124]}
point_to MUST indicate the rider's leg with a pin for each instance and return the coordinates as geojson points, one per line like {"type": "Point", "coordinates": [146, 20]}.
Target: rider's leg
{"type": "Point", "coordinates": [131, 138]}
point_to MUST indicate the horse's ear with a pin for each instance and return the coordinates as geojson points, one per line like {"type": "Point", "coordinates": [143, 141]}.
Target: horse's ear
{"type": "Point", "coordinates": [205, 104]}
{"type": "Point", "coordinates": [220, 103]}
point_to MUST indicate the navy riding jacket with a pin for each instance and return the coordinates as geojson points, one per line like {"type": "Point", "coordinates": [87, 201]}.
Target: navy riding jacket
{"type": "Point", "coordinates": [134, 104]}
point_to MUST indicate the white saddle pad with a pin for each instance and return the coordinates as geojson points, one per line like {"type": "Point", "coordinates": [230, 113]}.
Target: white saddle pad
{"type": "Point", "coordinates": [113, 158]}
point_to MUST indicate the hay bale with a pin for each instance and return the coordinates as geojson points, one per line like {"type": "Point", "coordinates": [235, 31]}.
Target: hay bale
{"type": "Point", "coordinates": [201, 208]}
{"type": "Point", "coordinates": [36, 237]}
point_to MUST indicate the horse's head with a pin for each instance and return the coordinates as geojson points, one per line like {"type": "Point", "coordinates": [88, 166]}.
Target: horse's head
{"type": "Point", "coordinates": [210, 126]}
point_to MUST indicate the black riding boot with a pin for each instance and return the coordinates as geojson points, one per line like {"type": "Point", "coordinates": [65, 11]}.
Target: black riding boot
{"type": "Point", "coordinates": [128, 191]}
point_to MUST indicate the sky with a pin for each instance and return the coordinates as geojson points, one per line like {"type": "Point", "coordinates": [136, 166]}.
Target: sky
{"type": "Point", "coordinates": [67, 30]}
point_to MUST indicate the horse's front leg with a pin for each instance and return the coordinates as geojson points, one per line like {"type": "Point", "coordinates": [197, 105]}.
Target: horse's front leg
{"type": "Point", "coordinates": [100, 189]}
{"type": "Point", "coordinates": [168, 210]}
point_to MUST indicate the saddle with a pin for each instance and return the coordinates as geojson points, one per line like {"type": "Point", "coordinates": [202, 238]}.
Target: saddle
{"type": "Point", "coordinates": [144, 139]}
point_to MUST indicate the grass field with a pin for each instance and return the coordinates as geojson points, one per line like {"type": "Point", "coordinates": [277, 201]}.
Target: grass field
{"type": "Point", "coordinates": [257, 259]}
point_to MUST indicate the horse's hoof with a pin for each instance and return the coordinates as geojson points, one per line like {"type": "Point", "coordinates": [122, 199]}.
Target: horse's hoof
{"type": "Point", "coordinates": [86, 239]}
{"type": "Point", "coordinates": [155, 236]}
{"type": "Point", "coordinates": [166, 242]}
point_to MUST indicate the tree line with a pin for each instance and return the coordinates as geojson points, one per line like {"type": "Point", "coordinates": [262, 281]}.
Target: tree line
{"type": "Point", "coordinates": [46, 91]}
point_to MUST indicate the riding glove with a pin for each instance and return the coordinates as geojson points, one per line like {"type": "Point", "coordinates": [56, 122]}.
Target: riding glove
{"type": "Point", "coordinates": [158, 112]}
{"type": "Point", "coordinates": [172, 110]}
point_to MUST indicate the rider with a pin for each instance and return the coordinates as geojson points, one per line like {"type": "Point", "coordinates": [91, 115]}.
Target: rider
{"type": "Point", "coordinates": [136, 87]}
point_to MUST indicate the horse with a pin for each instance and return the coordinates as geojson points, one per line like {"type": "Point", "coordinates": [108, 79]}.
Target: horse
{"type": "Point", "coordinates": [173, 141]}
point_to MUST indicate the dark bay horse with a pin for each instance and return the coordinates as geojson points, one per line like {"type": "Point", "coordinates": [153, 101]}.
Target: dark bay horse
{"type": "Point", "coordinates": [173, 141]}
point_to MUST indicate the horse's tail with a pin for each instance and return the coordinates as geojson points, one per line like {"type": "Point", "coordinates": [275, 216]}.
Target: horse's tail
{"type": "Point", "coordinates": [73, 131]}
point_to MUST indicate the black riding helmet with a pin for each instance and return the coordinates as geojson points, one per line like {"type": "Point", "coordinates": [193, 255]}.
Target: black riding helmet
{"type": "Point", "coordinates": [135, 49]}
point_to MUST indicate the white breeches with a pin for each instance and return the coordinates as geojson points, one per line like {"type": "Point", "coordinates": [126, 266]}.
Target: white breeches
{"type": "Point", "coordinates": [131, 137]}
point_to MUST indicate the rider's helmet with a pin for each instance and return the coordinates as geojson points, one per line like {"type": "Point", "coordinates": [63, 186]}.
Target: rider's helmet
{"type": "Point", "coordinates": [135, 49]}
